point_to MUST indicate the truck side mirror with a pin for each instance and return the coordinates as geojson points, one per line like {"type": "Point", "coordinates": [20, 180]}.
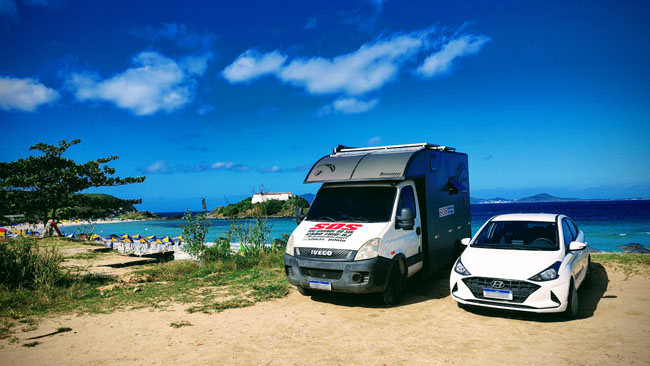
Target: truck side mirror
{"type": "Point", "coordinates": [405, 219]}
{"type": "Point", "coordinates": [299, 215]}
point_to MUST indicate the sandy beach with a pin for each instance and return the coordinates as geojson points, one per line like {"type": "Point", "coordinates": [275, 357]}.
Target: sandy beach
{"type": "Point", "coordinates": [426, 328]}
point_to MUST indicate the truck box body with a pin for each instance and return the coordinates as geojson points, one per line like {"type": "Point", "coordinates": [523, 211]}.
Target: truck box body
{"type": "Point", "coordinates": [381, 179]}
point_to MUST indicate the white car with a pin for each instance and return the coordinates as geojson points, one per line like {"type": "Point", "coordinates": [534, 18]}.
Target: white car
{"type": "Point", "coordinates": [525, 262]}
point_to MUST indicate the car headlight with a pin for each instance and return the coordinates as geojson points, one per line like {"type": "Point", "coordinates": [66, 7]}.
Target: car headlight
{"type": "Point", "coordinates": [460, 269]}
{"type": "Point", "coordinates": [548, 274]}
{"type": "Point", "coordinates": [289, 249]}
{"type": "Point", "coordinates": [369, 249]}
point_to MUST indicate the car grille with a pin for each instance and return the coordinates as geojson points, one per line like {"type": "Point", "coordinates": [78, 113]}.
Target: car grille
{"type": "Point", "coordinates": [520, 289]}
{"type": "Point", "coordinates": [330, 274]}
{"type": "Point", "coordinates": [321, 253]}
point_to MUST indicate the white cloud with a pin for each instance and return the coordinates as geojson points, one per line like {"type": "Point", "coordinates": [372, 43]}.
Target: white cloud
{"type": "Point", "coordinates": [251, 65]}
{"type": "Point", "coordinates": [378, 4]}
{"type": "Point", "coordinates": [158, 167]}
{"type": "Point", "coordinates": [24, 94]}
{"type": "Point", "coordinates": [441, 61]}
{"type": "Point", "coordinates": [179, 33]}
{"type": "Point", "coordinates": [349, 106]}
{"type": "Point", "coordinates": [155, 83]}
{"type": "Point", "coordinates": [367, 69]}
{"type": "Point", "coordinates": [374, 141]}
{"type": "Point", "coordinates": [222, 165]}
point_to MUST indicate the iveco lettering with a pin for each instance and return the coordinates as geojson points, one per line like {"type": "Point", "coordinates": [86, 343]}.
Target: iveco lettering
{"type": "Point", "coordinates": [381, 215]}
{"type": "Point", "coordinates": [527, 262]}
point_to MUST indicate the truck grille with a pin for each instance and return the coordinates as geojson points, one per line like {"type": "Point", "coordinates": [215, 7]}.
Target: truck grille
{"type": "Point", "coordinates": [520, 289]}
{"type": "Point", "coordinates": [330, 274]}
{"type": "Point", "coordinates": [324, 253]}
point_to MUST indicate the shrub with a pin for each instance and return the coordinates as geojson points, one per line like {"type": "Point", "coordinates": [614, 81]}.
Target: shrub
{"type": "Point", "coordinates": [24, 265]}
{"type": "Point", "coordinates": [219, 251]}
{"type": "Point", "coordinates": [195, 232]}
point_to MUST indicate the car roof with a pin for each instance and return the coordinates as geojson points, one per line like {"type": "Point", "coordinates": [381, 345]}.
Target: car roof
{"type": "Point", "coordinates": [542, 217]}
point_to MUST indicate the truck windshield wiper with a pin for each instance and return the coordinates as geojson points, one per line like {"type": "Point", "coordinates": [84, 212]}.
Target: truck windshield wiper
{"type": "Point", "coordinates": [325, 218]}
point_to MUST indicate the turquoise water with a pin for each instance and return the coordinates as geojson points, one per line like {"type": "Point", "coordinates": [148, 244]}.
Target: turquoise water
{"type": "Point", "coordinates": [162, 228]}
{"type": "Point", "coordinates": [606, 224]}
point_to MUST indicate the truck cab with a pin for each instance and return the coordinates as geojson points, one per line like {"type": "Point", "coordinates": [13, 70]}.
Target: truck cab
{"type": "Point", "coordinates": [370, 224]}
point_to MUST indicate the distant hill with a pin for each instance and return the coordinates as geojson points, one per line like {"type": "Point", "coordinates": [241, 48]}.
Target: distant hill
{"type": "Point", "coordinates": [545, 197]}
{"type": "Point", "coordinates": [308, 196]}
{"type": "Point", "coordinates": [542, 197]}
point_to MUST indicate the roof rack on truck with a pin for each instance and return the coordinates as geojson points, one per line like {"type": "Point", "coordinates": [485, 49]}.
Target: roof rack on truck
{"type": "Point", "coordinates": [342, 148]}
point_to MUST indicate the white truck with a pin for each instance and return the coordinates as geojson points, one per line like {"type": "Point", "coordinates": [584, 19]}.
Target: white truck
{"type": "Point", "coordinates": [381, 215]}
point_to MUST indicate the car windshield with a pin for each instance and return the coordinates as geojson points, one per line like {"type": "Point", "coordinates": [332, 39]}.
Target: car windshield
{"type": "Point", "coordinates": [353, 204]}
{"type": "Point", "coordinates": [522, 235]}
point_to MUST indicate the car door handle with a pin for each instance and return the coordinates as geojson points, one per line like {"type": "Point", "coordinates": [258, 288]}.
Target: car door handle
{"type": "Point", "coordinates": [417, 230]}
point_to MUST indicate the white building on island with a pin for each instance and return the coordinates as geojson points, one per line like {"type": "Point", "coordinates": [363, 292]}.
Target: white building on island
{"type": "Point", "coordinates": [263, 197]}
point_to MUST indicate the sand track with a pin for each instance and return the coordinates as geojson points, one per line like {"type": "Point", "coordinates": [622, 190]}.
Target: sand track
{"type": "Point", "coordinates": [427, 328]}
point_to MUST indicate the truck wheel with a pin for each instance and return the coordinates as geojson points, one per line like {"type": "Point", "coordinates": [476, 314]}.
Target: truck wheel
{"type": "Point", "coordinates": [304, 291]}
{"type": "Point", "coordinates": [571, 311]}
{"type": "Point", "coordinates": [391, 294]}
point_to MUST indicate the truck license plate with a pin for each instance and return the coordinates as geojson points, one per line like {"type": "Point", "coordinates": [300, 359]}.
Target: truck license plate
{"type": "Point", "coordinates": [320, 285]}
{"type": "Point", "coordinates": [497, 294]}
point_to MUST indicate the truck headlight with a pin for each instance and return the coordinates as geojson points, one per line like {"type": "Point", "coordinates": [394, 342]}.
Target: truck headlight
{"type": "Point", "coordinates": [369, 249]}
{"type": "Point", "coordinates": [548, 274]}
{"type": "Point", "coordinates": [289, 249]}
{"type": "Point", "coordinates": [460, 269]}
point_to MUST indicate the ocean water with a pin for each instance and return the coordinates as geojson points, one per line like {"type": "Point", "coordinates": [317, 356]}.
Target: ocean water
{"type": "Point", "coordinates": [606, 224]}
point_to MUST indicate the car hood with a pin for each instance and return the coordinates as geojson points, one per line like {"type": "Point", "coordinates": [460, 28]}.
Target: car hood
{"type": "Point", "coordinates": [507, 264]}
{"type": "Point", "coordinates": [336, 235]}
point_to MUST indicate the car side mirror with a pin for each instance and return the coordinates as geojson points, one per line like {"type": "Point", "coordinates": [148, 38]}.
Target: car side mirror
{"type": "Point", "coordinates": [576, 245]}
{"type": "Point", "coordinates": [299, 215]}
{"type": "Point", "coordinates": [405, 219]}
{"type": "Point", "coordinates": [465, 241]}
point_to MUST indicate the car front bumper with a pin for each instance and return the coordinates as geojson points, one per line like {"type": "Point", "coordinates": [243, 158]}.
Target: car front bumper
{"type": "Point", "coordinates": [550, 297]}
{"type": "Point", "coordinates": [364, 276]}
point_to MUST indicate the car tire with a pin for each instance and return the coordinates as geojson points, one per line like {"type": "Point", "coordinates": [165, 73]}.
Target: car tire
{"type": "Point", "coordinates": [586, 283]}
{"type": "Point", "coordinates": [304, 291]}
{"type": "Point", "coordinates": [571, 311]}
{"type": "Point", "coordinates": [393, 291]}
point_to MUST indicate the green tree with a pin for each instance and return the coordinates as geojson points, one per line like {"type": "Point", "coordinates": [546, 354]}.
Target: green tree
{"type": "Point", "coordinates": [195, 230]}
{"type": "Point", "coordinates": [39, 186]}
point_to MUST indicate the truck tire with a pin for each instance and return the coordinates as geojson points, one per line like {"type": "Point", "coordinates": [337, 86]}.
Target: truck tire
{"type": "Point", "coordinates": [304, 291]}
{"type": "Point", "coordinates": [571, 311]}
{"type": "Point", "coordinates": [393, 291]}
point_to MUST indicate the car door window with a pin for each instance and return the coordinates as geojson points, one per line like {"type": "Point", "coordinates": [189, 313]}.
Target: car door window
{"type": "Point", "coordinates": [575, 228]}
{"type": "Point", "coordinates": [566, 233]}
{"type": "Point", "coordinates": [406, 200]}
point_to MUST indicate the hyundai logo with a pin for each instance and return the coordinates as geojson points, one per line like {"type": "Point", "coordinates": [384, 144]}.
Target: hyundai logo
{"type": "Point", "coordinates": [497, 284]}
{"type": "Point", "coordinates": [321, 252]}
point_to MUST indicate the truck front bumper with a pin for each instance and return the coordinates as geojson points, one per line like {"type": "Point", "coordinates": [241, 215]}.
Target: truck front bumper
{"type": "Point", "coordinates": [365, 276]}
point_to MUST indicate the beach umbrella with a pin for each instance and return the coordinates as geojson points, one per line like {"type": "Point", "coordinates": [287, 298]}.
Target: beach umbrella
{"type": "Point", "coordinates": [156, 241]}
{"type": "Point", "coordinates": [127, 240]}
{"type": "Point", "coordinates": [126, 236]}
{"type": "Point", "coordinates": [151, 237]}
{"type": "Point", "coordinates": [137, 237]}
{"type": "Point", "coordinates": [142, 240]}
{"type": "Point", "coordinates": [178, 239]}
{"type": "Point", "coordinates": [113, 239]}
{"type": "Point", "coordinates": [167, 239]}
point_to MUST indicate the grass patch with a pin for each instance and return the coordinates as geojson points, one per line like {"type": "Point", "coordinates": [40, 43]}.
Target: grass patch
{"type": "Point", "coordinates": [234, 282]}
{"type": "Point", "coordinates": [629, 263]}
{"type": "Point", "coordinates": [87, 255]}
{"type": "Point", "coordinates": [180, 324]}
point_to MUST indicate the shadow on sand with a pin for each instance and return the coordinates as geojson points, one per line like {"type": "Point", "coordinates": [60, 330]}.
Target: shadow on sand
{"type": "Point", "coordinates": [419, 289]}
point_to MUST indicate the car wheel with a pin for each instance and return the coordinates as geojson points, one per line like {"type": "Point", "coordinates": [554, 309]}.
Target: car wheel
{"type": "Point", "coordinates": [571, 311]}
{"type": "Point", "coordinates": [391, 294]}
{"type": "Point", "coordinates": [304, 291]}
{"type": "Point", "coordinates": [586, 283]}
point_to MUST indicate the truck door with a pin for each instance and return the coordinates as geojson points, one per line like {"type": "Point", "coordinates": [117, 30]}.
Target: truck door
{"type": "Point", "coordinates": [409, 241]}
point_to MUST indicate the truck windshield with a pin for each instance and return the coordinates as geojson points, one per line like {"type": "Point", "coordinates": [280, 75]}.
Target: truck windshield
{"type": "Point", "coordinates": [353, 204]}
{"type": "Point", "coordinates": [522, 235]}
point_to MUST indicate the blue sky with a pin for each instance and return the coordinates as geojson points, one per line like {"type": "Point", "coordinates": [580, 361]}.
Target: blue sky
{"type": "Point", "coordinates": [213, 99]}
